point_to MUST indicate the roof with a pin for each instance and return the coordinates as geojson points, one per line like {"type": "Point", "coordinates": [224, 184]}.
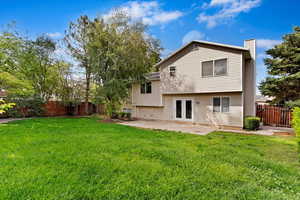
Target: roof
{"type": "Point", "coordinates": [260, 98]}
{"type": "Point", "coordinates": [203, 42]}
{"type": "Point", "coordinates": [153, 76]}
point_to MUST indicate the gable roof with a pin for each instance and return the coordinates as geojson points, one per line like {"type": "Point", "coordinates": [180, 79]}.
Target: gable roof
{"type": "Point", "coordinates": [202, 42]}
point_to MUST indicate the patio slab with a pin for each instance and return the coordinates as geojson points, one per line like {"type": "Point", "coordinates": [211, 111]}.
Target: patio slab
{"type": "Point", "coordinates": [170, 126]}
{"type": "Point", "coordinates": [202, 129]}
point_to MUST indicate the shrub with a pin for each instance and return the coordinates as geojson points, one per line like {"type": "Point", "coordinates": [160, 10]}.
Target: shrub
{"type": "Point", "coordinates": [296, 120]}
{"type": "Point", "coordinates": [128, 115]}
{"type": "Point", "coordinates": [122, 114]}
{"type": "Point", "coordinates": [114, 115]}
{"type": "Point", "coordinates": [252, 123]}
{"type": "Point", "coordinates": [296, 124]}
{"type": "Point", "coordinates": [31, 107]}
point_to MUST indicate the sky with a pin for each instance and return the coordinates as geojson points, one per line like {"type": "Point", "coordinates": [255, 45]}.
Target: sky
{"type": "Point", "coordinates": [173, 22]}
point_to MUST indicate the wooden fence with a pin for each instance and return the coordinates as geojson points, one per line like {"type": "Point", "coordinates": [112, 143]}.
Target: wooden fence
{"type": "Point", "coordinates": [274, 115]}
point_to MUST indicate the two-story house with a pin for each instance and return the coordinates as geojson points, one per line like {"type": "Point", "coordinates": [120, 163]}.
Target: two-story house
{"type": "Point", "coordinates": [202, 82]}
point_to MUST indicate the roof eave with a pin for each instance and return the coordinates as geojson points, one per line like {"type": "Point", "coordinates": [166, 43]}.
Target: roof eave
{"type": "Point", "coordinates": [202, 42]}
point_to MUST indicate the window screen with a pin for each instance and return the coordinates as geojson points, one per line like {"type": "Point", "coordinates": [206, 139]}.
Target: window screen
{"type": "Point", "coordinates": [220, 67]}
{"type": "Point", "coordinates": [225, 104]}
{"type": "Point", "coordinates": [216, 104]}
{"type": "Point", "coordinates": [207, 68]}
{"type": "Point", "coordinates": [172, 70]}
{"type": "Point", "coordinates": [148, 87]}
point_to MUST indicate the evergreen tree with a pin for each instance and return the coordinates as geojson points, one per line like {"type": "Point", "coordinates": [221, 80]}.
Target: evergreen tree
{"type": "Point", "coordinates": [283, 82]}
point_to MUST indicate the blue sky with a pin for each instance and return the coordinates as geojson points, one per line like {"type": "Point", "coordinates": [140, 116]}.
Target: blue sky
{"type": "Point", "coordinates": [174, 22]}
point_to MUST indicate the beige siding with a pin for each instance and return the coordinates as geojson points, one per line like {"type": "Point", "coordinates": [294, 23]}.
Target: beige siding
{"type": "Point", "coordinates": [202, 110]}
{"type": "Point", "coordinates": [188, 71]}
{"type": "Point", "coordinates": [148, 112]}
{"type": "Point", "coordinates": [249, 81]}
{"type": "Point", "coordinates": [153, 99]}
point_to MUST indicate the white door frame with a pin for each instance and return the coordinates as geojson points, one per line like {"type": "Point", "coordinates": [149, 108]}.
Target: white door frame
{"type": "Point", "coordinates": [183, 109]}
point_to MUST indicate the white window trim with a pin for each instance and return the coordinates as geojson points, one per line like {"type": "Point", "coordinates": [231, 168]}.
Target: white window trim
{"type": "Point", "coordinates": [221, 105]}
{"type": "Point", "coordinates": [213, 60]}
{"type": "Point", "coordinates": [183, 110]}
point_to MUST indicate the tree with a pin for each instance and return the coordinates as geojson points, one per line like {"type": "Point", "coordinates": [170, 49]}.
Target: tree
{"type": "Point", "coordinates": [40, 67]}
{"type": "Point", "coordinates": [5, 106]}
{"type": "Point", "coordinates": [30, 74]}
{"type": "Point", "coordinates": [121, 53]}
{"type": "Point", "coordinates": [77, 41]}
{"type": "Point", "coordinates": [283, 67]}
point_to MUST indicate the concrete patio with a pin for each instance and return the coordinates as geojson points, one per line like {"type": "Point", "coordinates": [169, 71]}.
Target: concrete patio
{"type": "Point", "coordinates": [170, 126]}
{"type": "Point", "coordinates": [202, 129]}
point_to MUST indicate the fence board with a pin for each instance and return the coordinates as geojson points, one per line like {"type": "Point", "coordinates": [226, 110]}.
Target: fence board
{"type": "Point", "coordinates": [274, 115]}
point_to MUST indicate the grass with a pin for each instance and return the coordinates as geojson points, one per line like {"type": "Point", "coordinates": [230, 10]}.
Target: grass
{"type": "Point", "coordinates": [80, 158]}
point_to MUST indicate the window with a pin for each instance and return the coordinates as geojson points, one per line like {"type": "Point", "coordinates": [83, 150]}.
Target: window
{"type": "Point", "coordinates": [220, 67]}
{"type": "Point", "coordinates": [178, 109]}
{"type": "Point", "coordinates": [221, 104]}
{"type": "Point", "coordinates": [188, 109]}
{"type": "Point", "coordinates": [143, 88]}
{"type": "Point", "coordinates": [225, 104]}
{"type": "Point", "coordinates": [146, 88]}
{"type": "Point", "coordinates": [214, 68]}
{"type": "Point", "coordinates": [172, 70]}
{"type": "Point", "coordinates": [216, 104]}
{"type": "Point", "coordinates": [207, 68]}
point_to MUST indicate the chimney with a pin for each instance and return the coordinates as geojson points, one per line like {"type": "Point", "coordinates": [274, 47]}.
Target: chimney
{"type": "Point", "coordinates": [251, 45]}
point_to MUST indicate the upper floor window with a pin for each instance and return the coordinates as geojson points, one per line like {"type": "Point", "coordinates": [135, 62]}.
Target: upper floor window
{"type": "Point", "coordinates": [207, 68]}
{"type": "Point", "coordinates": [220, 67]}
{"type": "Point", "coordinates": [146, 88]}
{"type": "Point", "coordinates": [214, 67]}
{"type": "Point", "coordinates": [172, 70]}
{"type": "Point", "coordinates": [221, 104]}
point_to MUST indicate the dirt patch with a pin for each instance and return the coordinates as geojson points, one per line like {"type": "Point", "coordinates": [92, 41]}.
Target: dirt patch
{"type": "Point", "coordinates": [283, 133]}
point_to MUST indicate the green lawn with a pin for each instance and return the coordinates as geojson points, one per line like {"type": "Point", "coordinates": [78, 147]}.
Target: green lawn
{"type": "Point", "coordinates": [80, 158]}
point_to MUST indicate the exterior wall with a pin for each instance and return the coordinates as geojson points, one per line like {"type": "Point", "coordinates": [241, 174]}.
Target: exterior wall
{"type": "Point", "coordinates": [202, 109]}
{"type": "Point", "coordinates": [148, 112]}
{"type": "Point", "coordinates": [249, 80]}
{"type": "Point", "coordinates": [188, 71]}
{"type": "Point", "coordinates": [238, 84]}
{"type": "Point", "coordinates": [153, 99]}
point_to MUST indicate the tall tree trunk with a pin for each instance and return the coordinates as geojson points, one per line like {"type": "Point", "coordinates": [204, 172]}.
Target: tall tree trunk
{"type": "Point", "coordinates": [87, 91]}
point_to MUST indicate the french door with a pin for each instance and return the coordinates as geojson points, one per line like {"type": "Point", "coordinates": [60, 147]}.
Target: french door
{"type": "Point", "coordinates": [183, 109]}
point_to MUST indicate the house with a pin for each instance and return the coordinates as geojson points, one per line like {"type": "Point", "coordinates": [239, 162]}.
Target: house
{"type": "Point", "coordinates": [263, 100]}
{"type": "Point", "coordinates": [203, 83]}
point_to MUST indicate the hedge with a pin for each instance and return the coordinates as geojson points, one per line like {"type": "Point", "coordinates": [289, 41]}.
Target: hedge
{"type": "Point", "coordinates": [296, 120]}
{"type": "Point", "coordinates": [252, 123]}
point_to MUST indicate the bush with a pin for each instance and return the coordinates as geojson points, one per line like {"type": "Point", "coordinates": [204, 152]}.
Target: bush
{"type": "Point", "coordinates": [293, 104]}
{"type": "Point", "coordinates": [252, 123]}
{"type": "Point", "coordinates": [128, 115]}
{"type": "Point", "coordinates": [31, 107]}
{"type": "Point", "coordinates": [122, 114]}
{"type": "Point", "coordinates": [114, 115]}
{"type": "Point", "coordinates": [296, 124]}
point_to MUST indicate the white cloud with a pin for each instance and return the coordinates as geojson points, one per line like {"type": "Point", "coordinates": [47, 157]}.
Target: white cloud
{"type": "Point", "coordinates": [227, 9]}
{"type": "Point", "coordinates": [192, 35]}
{"type": "Point", "coordinates": [54, 35]}
{"type": "Point", "coordinates": [267, 43]}
{"type": "Point", "coordinates": [149, 12]}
